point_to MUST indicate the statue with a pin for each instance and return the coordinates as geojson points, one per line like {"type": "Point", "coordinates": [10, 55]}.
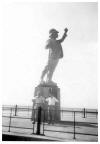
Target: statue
{"type": "Point", "coordinates": [55, 53]}
{"type": "Point", "coordinates": [48, 86]}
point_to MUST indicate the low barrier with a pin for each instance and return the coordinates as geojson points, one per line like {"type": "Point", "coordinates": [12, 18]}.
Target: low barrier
{"type": "Point", "coordinates": [42, 122]}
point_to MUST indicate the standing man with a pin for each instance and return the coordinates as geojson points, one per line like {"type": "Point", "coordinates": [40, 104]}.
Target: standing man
{"type": "Point", "coordinates": [55, 53]}
{"type": "Point", "coordinates": [38, 101]}
{"type": "Point", "coordinates": [51, 107]}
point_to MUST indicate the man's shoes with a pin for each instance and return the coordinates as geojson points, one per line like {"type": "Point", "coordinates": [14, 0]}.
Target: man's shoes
{"type": "Point", "coordinates": [33, 122]}
{"type": "Point", "coordinates": [52, 122]}
{"type": "Point", "coordinates": [49, 122]}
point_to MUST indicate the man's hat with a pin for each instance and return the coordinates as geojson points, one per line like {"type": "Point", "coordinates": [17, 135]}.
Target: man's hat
{"type": "Point", "coordinates": [52, 31]}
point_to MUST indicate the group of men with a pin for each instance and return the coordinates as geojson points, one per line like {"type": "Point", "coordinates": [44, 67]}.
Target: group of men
{"type": "Point", "coordinates": [40, 101]}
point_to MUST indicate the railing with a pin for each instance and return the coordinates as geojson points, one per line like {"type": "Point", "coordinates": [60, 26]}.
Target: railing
{"type": "Point", "coordinates": [75, 123]}
{"type": "Point", "coordinates": [10, 117]}
{"type": "Point", "coordinates": [38, 123]}
{"type": "Point", "coordinates": [16, 109]}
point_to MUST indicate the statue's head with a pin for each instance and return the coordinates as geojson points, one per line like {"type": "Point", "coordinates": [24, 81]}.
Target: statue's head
{"type": "Point", "coordinates": [53, 33]}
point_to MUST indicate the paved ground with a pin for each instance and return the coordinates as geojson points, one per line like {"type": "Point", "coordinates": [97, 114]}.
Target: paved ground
{"type": "Point", "coordinates": [86, 128]}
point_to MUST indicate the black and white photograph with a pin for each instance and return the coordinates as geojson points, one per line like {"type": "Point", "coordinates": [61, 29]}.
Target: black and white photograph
{"type": "Point", "coordinates": [49, 73]}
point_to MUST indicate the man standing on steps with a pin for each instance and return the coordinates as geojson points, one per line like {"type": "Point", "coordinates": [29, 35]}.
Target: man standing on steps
{"type": "Point", "coordinates": [55, 53]}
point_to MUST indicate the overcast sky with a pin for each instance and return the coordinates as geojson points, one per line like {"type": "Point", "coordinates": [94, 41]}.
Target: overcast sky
{"type": "Point", "coordinates": [25, 31]}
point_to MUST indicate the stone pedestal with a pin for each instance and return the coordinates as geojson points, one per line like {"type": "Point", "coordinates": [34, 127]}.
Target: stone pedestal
{"type": "Point", "coordinates": [44, 90]}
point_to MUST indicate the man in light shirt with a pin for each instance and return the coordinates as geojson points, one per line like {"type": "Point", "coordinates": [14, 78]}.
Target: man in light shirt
{"type": "Point", "coordinates": [51, 108]}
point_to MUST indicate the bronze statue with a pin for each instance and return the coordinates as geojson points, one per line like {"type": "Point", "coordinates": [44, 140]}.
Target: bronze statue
{"type": "Point", "coordinates": [55, 53]}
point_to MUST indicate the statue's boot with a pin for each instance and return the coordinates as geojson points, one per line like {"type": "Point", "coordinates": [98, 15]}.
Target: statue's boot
{"type": "Point", "coordinates": [42, 81]}
{"type": "Point", "coordinates": [50, 82]}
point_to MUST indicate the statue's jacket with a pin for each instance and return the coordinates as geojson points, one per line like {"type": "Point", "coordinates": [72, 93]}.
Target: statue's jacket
{"type": "Point", "coordinates": [55, 49]}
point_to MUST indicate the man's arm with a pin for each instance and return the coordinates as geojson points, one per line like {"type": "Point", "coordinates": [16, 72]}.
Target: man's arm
{"type": "Point", "coordinates": [64, 35]}
{"type": "Point", "coordinates": [47, 99]}
{"type": "Point", "coordinates": [56, 100]}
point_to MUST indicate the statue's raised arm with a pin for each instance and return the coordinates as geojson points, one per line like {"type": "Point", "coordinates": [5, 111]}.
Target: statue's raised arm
{"type": "Point", "coordinates": [64, 35]}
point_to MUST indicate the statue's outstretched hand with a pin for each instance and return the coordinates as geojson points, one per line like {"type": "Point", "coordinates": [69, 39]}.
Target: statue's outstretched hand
{"type": "Point", "coordinates": [66, 30]}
